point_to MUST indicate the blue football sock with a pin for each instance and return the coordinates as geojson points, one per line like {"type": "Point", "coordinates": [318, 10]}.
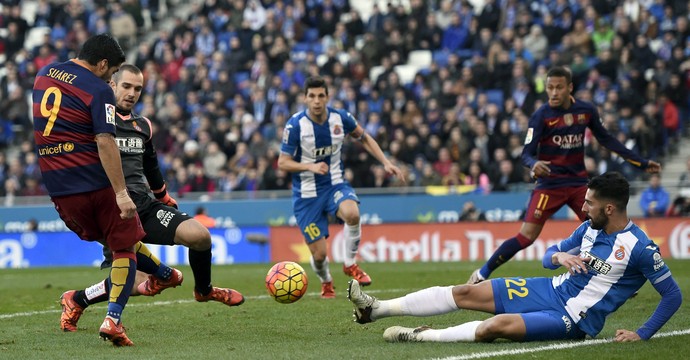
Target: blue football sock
{"type": "Point", "coordinates": [504, 253]}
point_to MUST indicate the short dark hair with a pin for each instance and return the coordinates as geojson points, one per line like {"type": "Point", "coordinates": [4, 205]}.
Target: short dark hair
{"type": "Point", "coordinates": [611, 186]}
{"type": "Point", "coordinates": [99, 47]}
{"type": "Point", "coordinates": [315, 82]}
{"type": "Point", "coordinates": [560, 71]}
{"type": "Point", "coordinates": [125, 67]}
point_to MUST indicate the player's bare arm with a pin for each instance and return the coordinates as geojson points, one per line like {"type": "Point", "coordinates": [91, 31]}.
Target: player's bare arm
{"type": "Point", "coordinates": [109, 154]}
{"type": "Point", "coordinates": [287, 163]}
{"type": "Point", "coordinates": [373, 148]}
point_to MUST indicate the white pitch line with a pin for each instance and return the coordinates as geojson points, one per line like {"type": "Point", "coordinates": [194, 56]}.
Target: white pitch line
{"type": "Point", "coordinates": [570, 345]}
{"type": "Point", "coordinates": [169, 302]}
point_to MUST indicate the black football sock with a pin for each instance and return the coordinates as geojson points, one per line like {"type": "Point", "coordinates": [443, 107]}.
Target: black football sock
{"type": "Point", "coordinates": [200, 261]}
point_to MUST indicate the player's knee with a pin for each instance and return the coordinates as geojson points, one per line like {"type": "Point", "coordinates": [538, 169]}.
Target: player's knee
{"type": "Point", "coordinates": [489, 330]}
{"type": "Point", "coordinates": [319, 256]}
{"type": "Point", "coordinates": [194, 235]}
{"type": "Point", "coordinates": [351, 217]}
{"type": "Point", "coordinates": [461, 291]}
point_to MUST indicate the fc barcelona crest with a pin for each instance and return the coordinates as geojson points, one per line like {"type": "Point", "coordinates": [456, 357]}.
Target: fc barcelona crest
{"type": "Point", "coordinates": [568, 119]}
{"type": "Point", "coordinates": [581, 118]}
{"type": "Point", "coordinates": [537, 214]}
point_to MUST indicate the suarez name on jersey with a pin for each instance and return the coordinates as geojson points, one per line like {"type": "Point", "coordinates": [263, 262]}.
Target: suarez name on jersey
{"type": "Point", "coordinates": [70, 106]}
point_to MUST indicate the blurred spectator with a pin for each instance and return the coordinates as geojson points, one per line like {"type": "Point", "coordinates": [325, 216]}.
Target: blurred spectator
{"type": "Point", "coordinates": [655, 199]}
{"type": "Point", "coordinates": [471, 213]}
{"type": "Point", "coordinates": [201, 215]}
{"type": "Point", "coordinates": [228, 70]}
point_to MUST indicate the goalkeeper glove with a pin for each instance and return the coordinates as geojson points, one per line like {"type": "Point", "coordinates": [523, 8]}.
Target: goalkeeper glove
{"type": "Point", "coordinates": [163, 196]}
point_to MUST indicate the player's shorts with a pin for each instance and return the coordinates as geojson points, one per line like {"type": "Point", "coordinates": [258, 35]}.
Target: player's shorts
{"type": "Point", "coordinates": [94, 215]}
{"type": "Point", "coordinates": [543, 203]}
{"type": "Point", "coordinates": [160, 221]}
{"type": "Point", "coordinates": [537, 303]}
{"type": "Point", "coordinates": [312, 213]}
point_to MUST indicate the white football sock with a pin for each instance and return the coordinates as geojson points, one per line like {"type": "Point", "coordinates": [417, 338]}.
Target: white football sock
{"type": "Point", "coordinates": [352, 236]}
{"type": "Point", "coordinates": [321, 270]}
{"type": "Point", "coordinates": [430, 301]}
{"type": "Point", "coordinates": [463, 332]}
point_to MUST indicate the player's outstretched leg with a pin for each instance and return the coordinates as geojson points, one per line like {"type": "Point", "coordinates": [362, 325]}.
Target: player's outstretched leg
{"type": "Point", "coordinates": [403, 334]}
{"type": "Point", "coordinates": [363, 303]}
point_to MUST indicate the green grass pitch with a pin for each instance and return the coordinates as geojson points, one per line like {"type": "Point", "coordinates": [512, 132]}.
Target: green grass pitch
{"type": "Point", "coordinates": [173, 326]}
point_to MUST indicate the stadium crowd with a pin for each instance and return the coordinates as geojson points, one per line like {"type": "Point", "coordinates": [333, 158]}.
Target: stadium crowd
{"type": "Point", "coordinates": [221, 84]}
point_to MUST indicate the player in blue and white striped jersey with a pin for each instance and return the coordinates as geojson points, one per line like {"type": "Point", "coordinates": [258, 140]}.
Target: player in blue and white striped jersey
{"type": "Point", "coordinates": [608, 259]}
{"type": "Point", "coordinates": [311, 151]}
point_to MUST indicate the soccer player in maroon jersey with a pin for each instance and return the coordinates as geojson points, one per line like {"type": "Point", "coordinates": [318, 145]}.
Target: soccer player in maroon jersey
{"type": "Point", "coordinates": [163, 222]}
{"type": "Point", "coordinates": [555, 152]}
{"type": "Point", "coordinates": [74, 128]}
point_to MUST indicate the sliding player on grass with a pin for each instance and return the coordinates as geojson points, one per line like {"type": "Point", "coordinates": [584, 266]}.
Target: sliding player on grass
{"type": "Point", "coordinates": [608, 259]}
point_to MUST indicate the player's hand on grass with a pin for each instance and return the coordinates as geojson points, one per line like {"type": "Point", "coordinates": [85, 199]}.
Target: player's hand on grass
{"type": "Point", "coordinates": [541, 169]}
{"type": "Point", "coordinates": [319, 168]}
{"type": "Point", "coordinates": [653, 167]}
{"type": "Point", "coordinates": [126, 205]}
{"type": "Point", "coordinates": [623, 335]}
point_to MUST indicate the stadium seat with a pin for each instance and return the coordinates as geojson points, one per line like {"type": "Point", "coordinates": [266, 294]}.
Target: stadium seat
{"type": "Point", "coordinates": [301, 47]}
{"type": "Point", "coordinates": [241, 77]}
{"type": "Point", "coordinates": [317, 48]}
{"type": "Point", "coordinates": [465, 54]}
{"type": "Point", "coordinates": [375, 72]}
{"type": "Point", "coordinates": [321, 59]}
{"type": "Point", "coordinates": [311, 35]}
{"type": "Point", "coordinates": [440, 57]}
{"type": "Point", "coordinates": [495, 96]}
{"type": "Point", "coordinates": [35, 37]}
{"type": "Point", "coordinates": [420, 58]}
{"type": "Point", "coordinates": [406, 73]}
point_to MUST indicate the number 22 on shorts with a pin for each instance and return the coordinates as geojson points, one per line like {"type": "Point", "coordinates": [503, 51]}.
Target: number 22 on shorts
{"type": "Point", "coordinates": [516, 287]}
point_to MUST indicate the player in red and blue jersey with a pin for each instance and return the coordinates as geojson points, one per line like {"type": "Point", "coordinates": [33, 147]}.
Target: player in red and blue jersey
{"type": "Point", "coordinates": [555, 152]}
{"type": "Point", "coordinates": [163, 222]}
{"type": "Point", "coordinates": [74, 128]}
{"type": "Point", "coordinates": [608, 259]}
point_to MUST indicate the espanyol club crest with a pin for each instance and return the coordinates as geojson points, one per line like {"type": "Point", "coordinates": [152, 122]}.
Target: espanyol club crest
{"type": "Point", "coordinates": [337, 130]}
{"type": "Point", "coordinates": [136, 126]}
{"type": "Point", "coordinates": [620, 253]}
{"type": "Point", "coordinates": [568, 119]}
